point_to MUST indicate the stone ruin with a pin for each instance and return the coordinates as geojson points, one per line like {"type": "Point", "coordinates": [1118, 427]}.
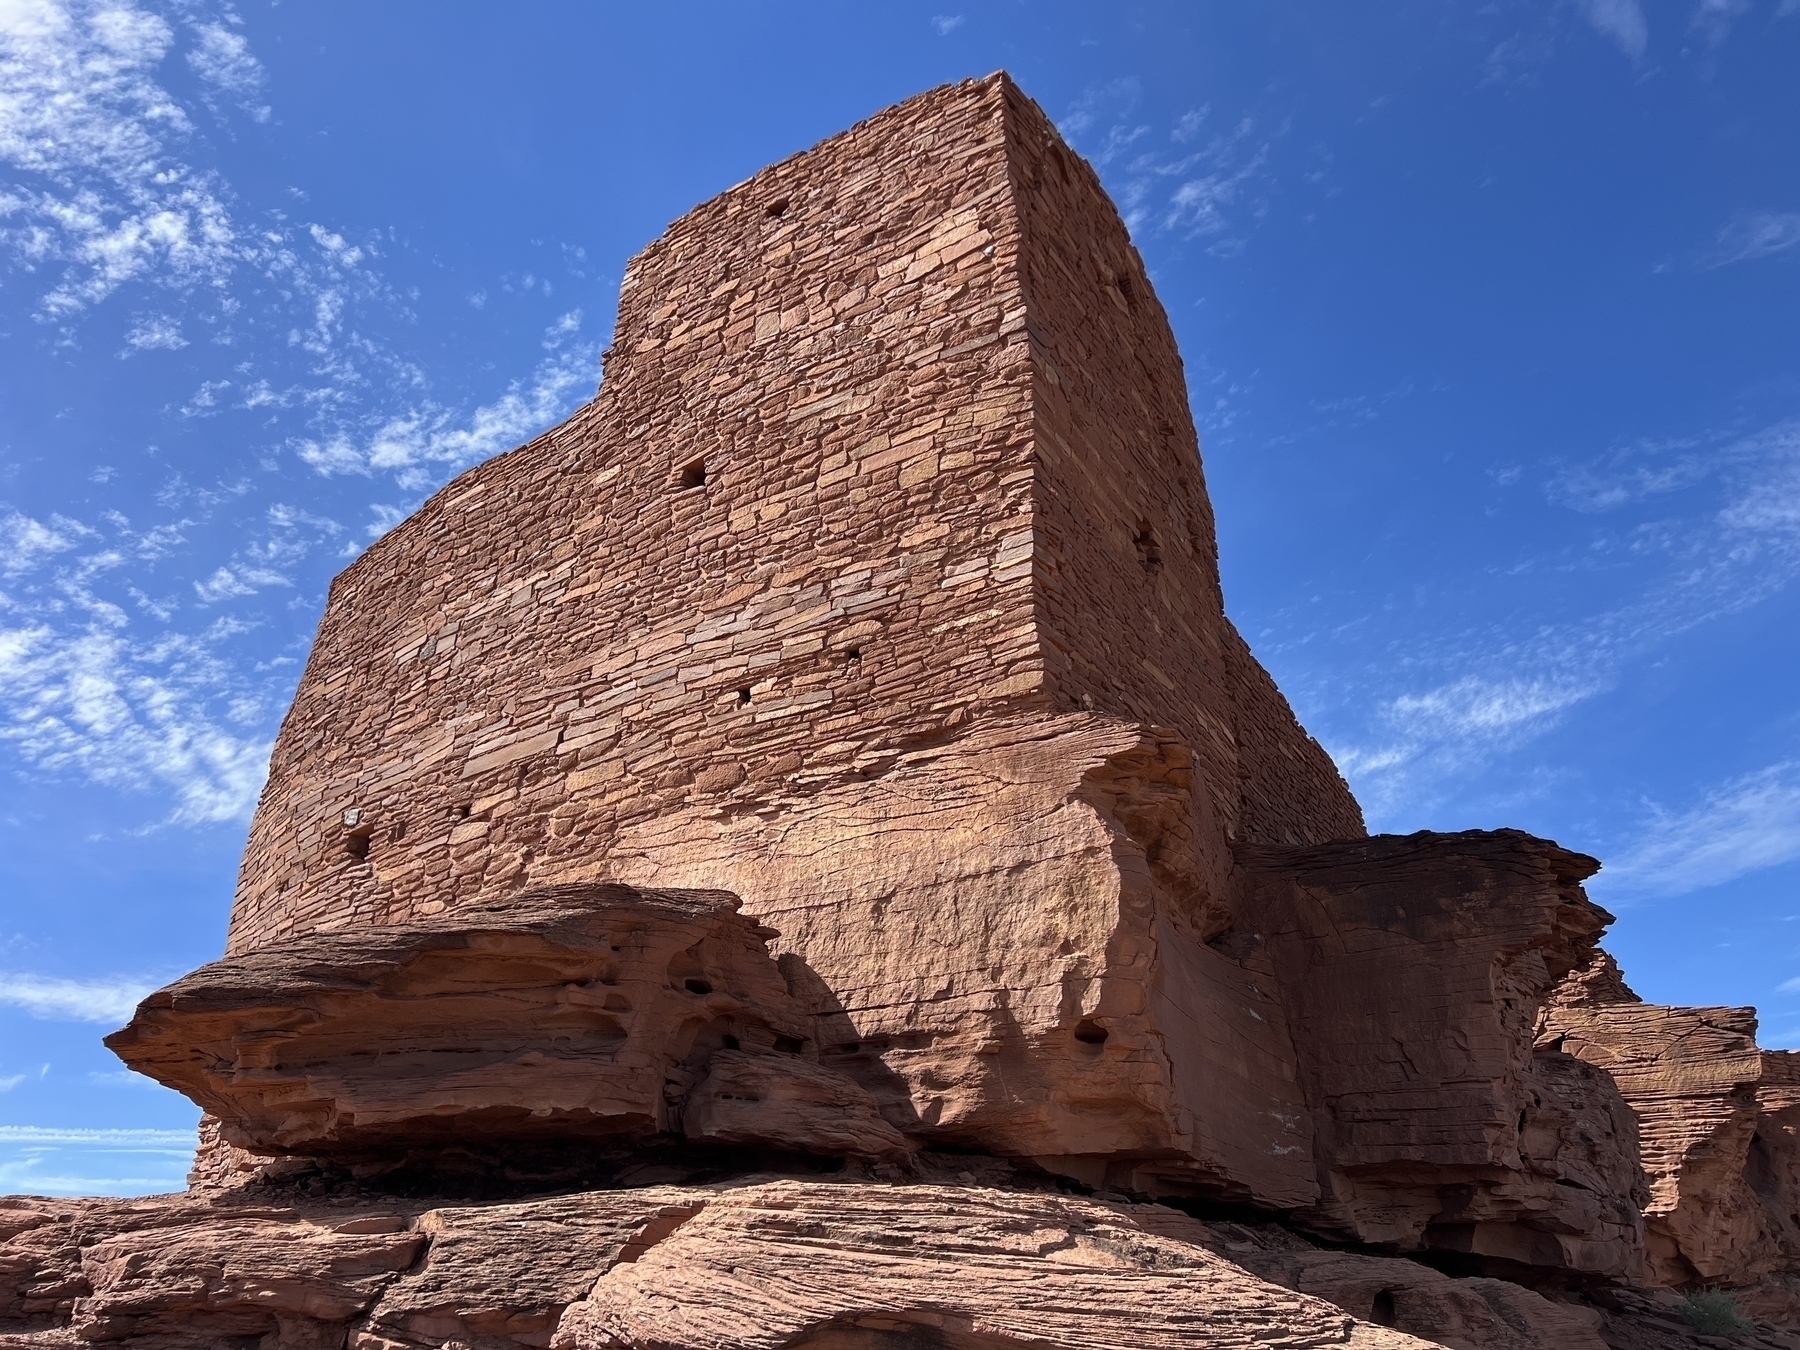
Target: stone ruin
{"type": "Point", "coordinates": [796, 855]}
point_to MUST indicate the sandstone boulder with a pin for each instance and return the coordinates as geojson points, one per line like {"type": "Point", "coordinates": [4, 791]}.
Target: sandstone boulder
{"type": "Point", "coordinates": [1411, 970]}
{"type": "Point", "coordinates": [578, 1012]}
{"type": "Point", "coordinates": [852, 1268]}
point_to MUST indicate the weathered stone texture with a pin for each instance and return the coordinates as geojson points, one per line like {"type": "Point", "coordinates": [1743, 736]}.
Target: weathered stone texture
{"type": "Point", "coordinates": [779, 1264]}
{"type": "Point", "coordinates": [568, 1012]}
{"type": "Point", "coordinates": [1719, 1145]}
{"type": "Point", "coordinates": [1412, 970]}
{"type": "Point", "coordinates": [852, 350]}
{"type": "Point", "coordinates": [827, 752]}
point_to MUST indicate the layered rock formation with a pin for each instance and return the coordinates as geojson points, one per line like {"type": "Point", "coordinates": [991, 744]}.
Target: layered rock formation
{"type": "Point", "coordinates": [797, 855]}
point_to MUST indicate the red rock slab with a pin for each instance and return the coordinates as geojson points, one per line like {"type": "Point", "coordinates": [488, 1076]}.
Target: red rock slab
{"type": "Point", "coordinates": [570, 1012]}
{"type": "Point", "coordinates": [791, 1264]}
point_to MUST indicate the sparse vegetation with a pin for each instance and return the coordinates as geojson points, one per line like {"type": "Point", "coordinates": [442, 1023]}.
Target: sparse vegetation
{"type": "Point", "coordinates": [1713, 1312]}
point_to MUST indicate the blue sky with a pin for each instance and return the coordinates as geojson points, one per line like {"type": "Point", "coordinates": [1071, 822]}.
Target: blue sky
{"type": "Point", "coordinates": [1490, 319]}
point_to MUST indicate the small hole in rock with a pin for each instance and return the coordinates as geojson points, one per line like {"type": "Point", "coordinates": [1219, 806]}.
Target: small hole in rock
{"type": "Point", "coordinates": [357, 845]}
{"type": "Point", "coordinates": [1090, 1032]}
{"type": "Point", "coordinates": [697, 986]}
{"type": "Point", "coordinates": [778, 208]}
{"type": "Point", "coordinates": [729, 1042]}
{"type": "Point", "coordinates": [789, 1045]}
{"type": "Point", "coordinates": [693, 475]}
{"type": "Point", "coordinates": [1381, 1312]}
{"type": "Point", "coordinates": [1521, 1122]}
{"type": "Point", "coordinates": [1148, 550]}
{"type": "Point", "coordinates": [743, 697]}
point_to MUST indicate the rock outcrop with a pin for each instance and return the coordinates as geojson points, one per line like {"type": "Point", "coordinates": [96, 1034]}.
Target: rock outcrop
{"type": "Point", "coordinates": [797, 856]}
{"type": "Point", "coordinates": [569, 1013]}
{"type": "Point", "coordinates": [1411, 971]}
{"type": "Point", "coordinates": [1717, 1118]}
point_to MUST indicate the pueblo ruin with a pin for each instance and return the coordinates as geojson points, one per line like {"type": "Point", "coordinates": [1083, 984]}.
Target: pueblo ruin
{"type": "Point", "coordinates": [797, 856]}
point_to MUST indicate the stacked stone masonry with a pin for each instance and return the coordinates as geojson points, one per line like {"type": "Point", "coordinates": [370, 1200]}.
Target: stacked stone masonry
{"type": "Point", "coordinates": [826, 754]}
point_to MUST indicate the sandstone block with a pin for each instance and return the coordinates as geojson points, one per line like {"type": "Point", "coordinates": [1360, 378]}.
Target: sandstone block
{"type": "Point", "coordinates": [1412, 970]}
{"type": "Point", "coordinates": [571, 1012]}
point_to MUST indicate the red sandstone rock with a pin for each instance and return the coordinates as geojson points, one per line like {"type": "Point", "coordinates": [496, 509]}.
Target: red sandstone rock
{"type": "Point", "coordinates": [725, 1268]}
{"type": "Point", "coordinates": [820, 1266]}
{"type": "Point", "coordinates": [1411, 971]}
{"type": "Point", "coordinates": [1693, 1077]}
{"type": "Point", "coordinates": [569, 1012]}
{"type": "Point", "coordinates": [878, 587]}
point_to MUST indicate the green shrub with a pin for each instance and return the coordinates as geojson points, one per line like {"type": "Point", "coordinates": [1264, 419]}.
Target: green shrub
{"type": "Point", "coordinates": [1713, 1312]}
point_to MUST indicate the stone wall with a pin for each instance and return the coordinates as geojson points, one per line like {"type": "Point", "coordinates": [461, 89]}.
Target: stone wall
{"type": "Point", "coordinates": [842, 490]}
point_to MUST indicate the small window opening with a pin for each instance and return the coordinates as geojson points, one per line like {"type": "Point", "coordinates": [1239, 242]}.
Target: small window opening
{"type": "Point", "coordinates": [1090, 1032]}
{"type": "Point", "coordinates": [778, 208]}
{"type": "Point", "coordinates": [697, 987]}
{"type": "Point", "coordinates": [789, 1045]}
{"type": "Point", "coordinates": [356, 844]}
{"type": "Point", "coordinates": [460, 811]}
{"type": "Point", "coordinates": [1148, 550]}
{"type": "Point", "coordinates": [693, 475]}
{"type": "Point", "coordinates": [730, 1042]}
{"type": "Point", "coordinates": [853, 655]}
{"type": "Point", "coordinates": [1521, 1122]}
{"type": "Point", "coordinates": [398, 832]}
{"type": "Point", "coordinates": [743, 698]}
{"type": "Point", "coordinates": [1381, 1311]}
{"type": "Point", "coordinates": [1125, 290]}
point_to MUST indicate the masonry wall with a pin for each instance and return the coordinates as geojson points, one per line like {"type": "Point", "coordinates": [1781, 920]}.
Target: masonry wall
{"type": "Point", "coordinates": [1129, 600]}
{"type": "Point", "coordinates": [579, 634]}
{"type": "Point", "coordinates": [893, 437]}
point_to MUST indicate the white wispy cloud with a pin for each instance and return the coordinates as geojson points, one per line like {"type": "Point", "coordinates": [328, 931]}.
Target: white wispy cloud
{"type": "Point", "coordinates": [1726, 537]}
{"type": "Point", "coordinates": [147, 1139]}
{"type": "Point", "coordinates": [1754, 234]}
{"type": "Point", "coordinates": [946, 24]}
{"type": "Point", "coordinates": [158, 332]}
{"type": "Point", "coordinates": [25, 543]}
{"type": "Point", "coordinates": [120, 654]}
{"type": "Point", "coordinates": [88, 131]}
{"type": "Point", "coordinates": [128, 713]}
{"type": "Point", "coordinates": [11, 1081]}
{"type": "Point", "coordinates": [221, 56]}
{"type": "Point", "coordinates": [48, 1161]}
{"type": "Point", "coordinates": [1714, 18]}
{"type": "Point", "coordinates": [1202, 187]}
{"type": "Point", "coordinates": [108, 1001]}
{"type": "Point", "coordinates": [1622, 21]}
{"type": "Point", "coordinates": [1746, 825]}
{"type": "Point", "coordinates": [429, 439]}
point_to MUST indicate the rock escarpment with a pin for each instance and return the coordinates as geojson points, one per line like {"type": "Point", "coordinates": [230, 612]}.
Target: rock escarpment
{"type": "Point", "coordinates": [797, 855]}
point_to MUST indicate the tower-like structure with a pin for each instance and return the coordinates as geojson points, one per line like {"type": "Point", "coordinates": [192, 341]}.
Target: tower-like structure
{"type": "Point", "coordinates": [893, 441]}
{"type": "Point", "coordinates": [877, 585]}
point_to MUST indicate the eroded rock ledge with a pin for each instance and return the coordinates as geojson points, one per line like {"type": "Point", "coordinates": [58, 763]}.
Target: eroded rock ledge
{"type": "Point", "coordinates": [602, 1014]}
